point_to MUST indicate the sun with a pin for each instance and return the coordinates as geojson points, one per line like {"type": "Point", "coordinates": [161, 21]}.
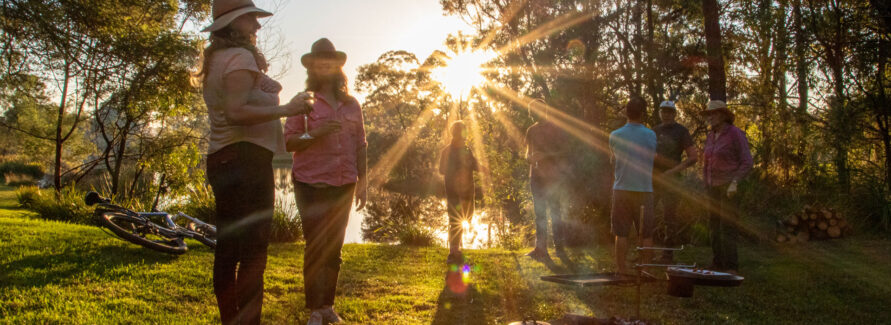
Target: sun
{"type": "Point", "coordinates": [462, 72]}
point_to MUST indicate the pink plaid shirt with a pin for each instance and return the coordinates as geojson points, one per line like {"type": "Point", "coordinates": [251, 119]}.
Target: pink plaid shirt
{"type": "Point", "coordinates": [728, 158]}
{"type": "Point", "coordinates": [330, 159]}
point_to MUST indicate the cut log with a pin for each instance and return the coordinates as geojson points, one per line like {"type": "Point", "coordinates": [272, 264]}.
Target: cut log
{"type": "Point", "coordinates": [781, 238]}
{"type": "Point", "coordinates": [790, 230]}
{"type": "Point", "coordinates": [842, 223]}
{"type": "Point", "coordinates": [793, 220]}
{"type": "Point", "coordinates": [827, 214]}
{"type": "Point", "coordinates": [822, 225]}
{"type": "Point", "coordinates": [812, 223]}
{"type": "Point", "coordinates": [833, 222]}
{"type": "Point", "coordinates": [833, 232]}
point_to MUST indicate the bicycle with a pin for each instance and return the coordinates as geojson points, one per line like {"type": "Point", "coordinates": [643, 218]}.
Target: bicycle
{"type": "Point", "coordinates": [138, 227]}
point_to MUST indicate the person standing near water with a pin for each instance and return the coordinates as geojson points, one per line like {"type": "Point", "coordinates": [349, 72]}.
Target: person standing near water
{"type": "Point", "coordinates": [457, 164]}
{"type": "Point", "coordinates": [329, 174]}
{"type": "Point", "coordinates": [245, 131]}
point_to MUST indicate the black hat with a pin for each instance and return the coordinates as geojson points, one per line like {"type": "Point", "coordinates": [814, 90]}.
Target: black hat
{"type": "Point", "coordinates": [323, 48]}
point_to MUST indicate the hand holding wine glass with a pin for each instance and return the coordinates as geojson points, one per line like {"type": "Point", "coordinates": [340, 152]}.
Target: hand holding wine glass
{"type": "Point", "coordinates": [301, 103]}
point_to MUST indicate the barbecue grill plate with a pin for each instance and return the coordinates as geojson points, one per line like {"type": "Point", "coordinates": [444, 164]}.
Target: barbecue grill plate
{"type": "Point", "coordinates": [705, 277]}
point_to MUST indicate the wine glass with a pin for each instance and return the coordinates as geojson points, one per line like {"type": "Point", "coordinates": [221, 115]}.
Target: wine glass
{"type": "Point", "coordinates": [310, 101]}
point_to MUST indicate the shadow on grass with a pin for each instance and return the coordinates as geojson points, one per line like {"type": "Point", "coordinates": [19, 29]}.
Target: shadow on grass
{"type": "Point", "coordinates": [459, 302]}
{"type": "Point", "coordinates": [44, 269]}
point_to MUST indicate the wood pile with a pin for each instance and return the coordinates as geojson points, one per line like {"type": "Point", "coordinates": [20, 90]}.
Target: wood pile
{"type": "Point", "coordinates": [812, 224]}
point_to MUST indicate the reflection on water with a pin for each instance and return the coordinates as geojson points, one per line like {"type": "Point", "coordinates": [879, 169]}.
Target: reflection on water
{"type": "Point", "coordinates": [479, 232]}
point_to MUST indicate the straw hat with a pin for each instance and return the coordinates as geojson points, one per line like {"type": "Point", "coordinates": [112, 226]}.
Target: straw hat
{"type": "Point", "coordinates": [323, 48]}
{"type": "Point", "coordinates": [225, 11]}
{"type": "Point", "coordinates": [718, 106]}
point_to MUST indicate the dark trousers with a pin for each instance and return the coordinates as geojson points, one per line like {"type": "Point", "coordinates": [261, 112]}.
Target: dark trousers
{"type": "Point", "coordinates": [667, 193]}
{"type": "Point", "coordinates": [324, 213]}
{"type": "Point", "coordinates": [242, 181]}
{"type": "Point", "coordinates": [460, 208]}
{"type": "Point", "coordinates": [722, 226]}
{"type": "Point", "coordinates": [549, 198]}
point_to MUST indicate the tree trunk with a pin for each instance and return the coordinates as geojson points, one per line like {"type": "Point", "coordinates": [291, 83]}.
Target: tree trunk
{"type": "Point", "coordinates": [779, 70]}
{"type": "Point", "coordinates": [882, 110]}
{"type": "Point", "coordinates": [840, 124]}
{"type": "Point", "coordinates": [717, 79]}
{"type": "Point", "coordinates": [119, 159]}
{"type": "Point", "coordinates": [801, 69]}
{"type": "Point", "coordinates": [57, 162]}
{"type": "Point", "coordinates": [655, 80]}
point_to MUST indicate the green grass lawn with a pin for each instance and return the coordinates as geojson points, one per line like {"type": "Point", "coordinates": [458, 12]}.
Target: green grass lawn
{"type": "Point", "coordinates": [53, 272]}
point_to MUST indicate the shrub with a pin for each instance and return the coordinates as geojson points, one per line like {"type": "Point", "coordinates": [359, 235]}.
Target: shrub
{"type": "Point", "coordinates": [286, 226]}
{"type": "Point", "coordinates": [415, 235]}
{"type": "Point", "coordinates": [19, 179]}
{"type": "Point", "coordinates": [66, 206]}
{"type": "Point", "coordinates": [199, 203]}
{"type": "Point", "coordinates": [516, 237]}
{"type": "Point", "coordinates": [32, 170]}
{"type": "Point", "coordinates": [27, 195]}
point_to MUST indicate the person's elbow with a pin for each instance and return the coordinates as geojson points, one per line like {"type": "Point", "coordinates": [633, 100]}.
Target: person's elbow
{"type": "Point", "coordinates": [235, 116]}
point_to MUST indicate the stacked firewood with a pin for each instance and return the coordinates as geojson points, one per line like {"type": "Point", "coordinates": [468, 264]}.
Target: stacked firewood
{"type": "Point", "coordinates": [813, 224]}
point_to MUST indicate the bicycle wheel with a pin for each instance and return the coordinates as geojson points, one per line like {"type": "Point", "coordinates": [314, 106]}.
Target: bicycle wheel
{"type": "Point", "coordinates": [206, 234]}
{"type": "Point", "coordinates": [135, 231]}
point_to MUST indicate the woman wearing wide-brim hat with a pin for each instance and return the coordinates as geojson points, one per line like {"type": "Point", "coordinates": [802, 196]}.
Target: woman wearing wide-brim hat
{"type": "Point", "coordinates": [727, 161]}
{"type": "Point", "coordinates": [328, 172]}
{"type": "Point", "coordinates": [245, 131]}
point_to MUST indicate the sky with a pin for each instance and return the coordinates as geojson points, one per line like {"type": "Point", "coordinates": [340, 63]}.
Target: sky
{"type": "Point", "coordinates": [364, 29]}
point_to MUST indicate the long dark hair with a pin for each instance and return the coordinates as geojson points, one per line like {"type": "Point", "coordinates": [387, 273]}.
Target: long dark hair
{"type": "Point", "coordinates": [341, 91]}
{"type": "Point", "coordinates": [223, 39]}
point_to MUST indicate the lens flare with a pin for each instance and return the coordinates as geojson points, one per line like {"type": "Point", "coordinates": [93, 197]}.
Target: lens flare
{"type": "Point", "coordinates": [462, 72]}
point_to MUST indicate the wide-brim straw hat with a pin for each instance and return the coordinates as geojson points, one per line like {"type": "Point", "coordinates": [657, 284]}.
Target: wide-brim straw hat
{"type": "Point", "coordinates": [226, 11]}
{"type": "Point", "coordinates": [323, 49]}
{"type": "Point", "coordinates": [718, 106]}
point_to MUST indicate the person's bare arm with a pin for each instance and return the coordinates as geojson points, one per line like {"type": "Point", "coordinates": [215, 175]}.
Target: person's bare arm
{"type": "Point", "coordinates": [362, 185]}
{"type": "Point", "coordinates": [691, 159]}
{"type": "Point", "coordinates": [295, 144]}
{"type": "Point", "coordinates": [237, 88]}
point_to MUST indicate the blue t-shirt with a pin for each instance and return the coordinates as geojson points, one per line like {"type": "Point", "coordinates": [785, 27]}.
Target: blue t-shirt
{"type": "Point", "coordinates": [634, 147]}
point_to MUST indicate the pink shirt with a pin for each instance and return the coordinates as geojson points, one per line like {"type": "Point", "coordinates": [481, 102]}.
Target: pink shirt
{"type": "Point", "coordinates": [330, 159]}
{"type": "Point", "coordinates": [727, 158]}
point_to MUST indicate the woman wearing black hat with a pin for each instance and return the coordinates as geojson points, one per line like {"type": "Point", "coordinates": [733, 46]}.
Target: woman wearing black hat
{"type": "Point", "coordinates": [329, 174]}
{"type": "Point", "coordinates": [245, 132]}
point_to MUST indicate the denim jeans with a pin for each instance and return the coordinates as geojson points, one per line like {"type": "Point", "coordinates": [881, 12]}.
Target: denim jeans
{"type": "Point", "coordinates": [324, 213]}
{"type": "Point", "coordinates": [242, 181]}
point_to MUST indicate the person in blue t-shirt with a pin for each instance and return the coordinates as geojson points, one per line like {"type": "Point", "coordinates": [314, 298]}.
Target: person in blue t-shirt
{"type": "Point", "coordinates": [633, 149]}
